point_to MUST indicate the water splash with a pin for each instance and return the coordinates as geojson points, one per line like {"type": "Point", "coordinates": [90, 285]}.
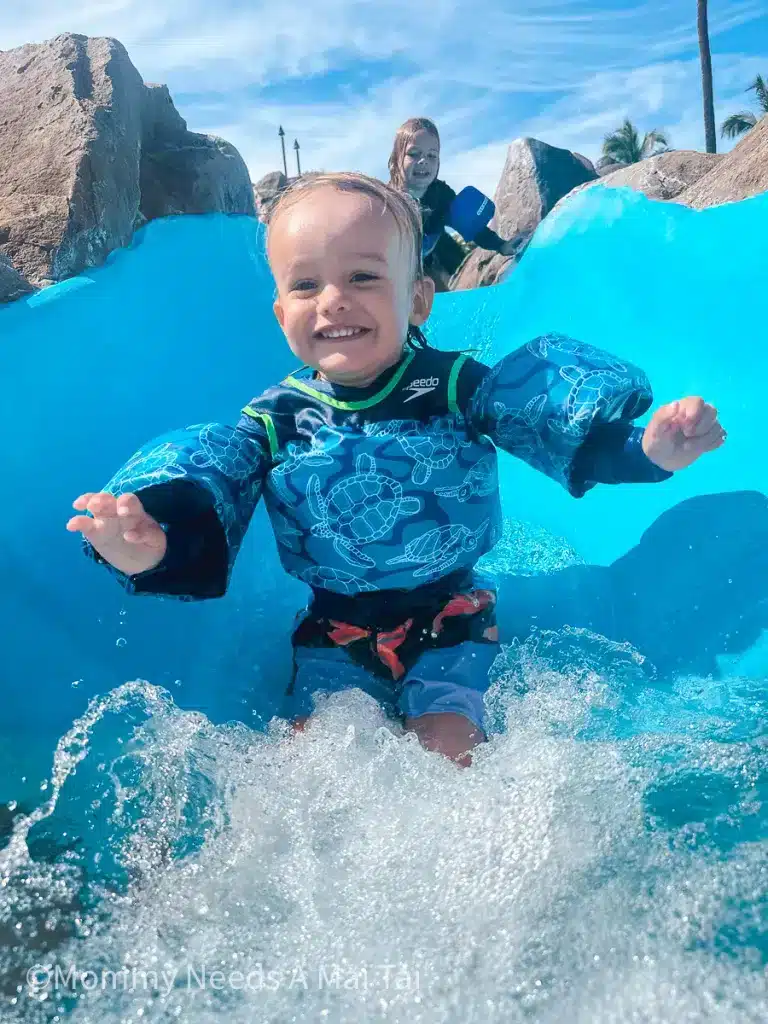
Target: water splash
{"type": "Point", "coordinates": [346, 874]}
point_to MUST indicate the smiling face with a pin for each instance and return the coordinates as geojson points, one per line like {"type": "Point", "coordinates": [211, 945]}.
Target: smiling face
{"type": "Point", "coordinates": [421, 162]}
{"type": "Point", "coordinates": [346, 286]}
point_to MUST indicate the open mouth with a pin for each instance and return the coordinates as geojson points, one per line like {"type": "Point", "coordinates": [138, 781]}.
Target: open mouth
{"type": "Point", "coordinates": [339, 333]}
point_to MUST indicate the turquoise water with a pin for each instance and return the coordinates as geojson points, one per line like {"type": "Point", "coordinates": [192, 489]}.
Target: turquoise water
{"type": "Point", "coordinates": [605, 858]}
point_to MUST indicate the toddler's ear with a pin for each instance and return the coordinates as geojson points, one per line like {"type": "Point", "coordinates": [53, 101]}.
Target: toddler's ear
{"type": "Point", "coordinates": [423, 296]}
{"type": "Point", "coordinates": [277, 309]}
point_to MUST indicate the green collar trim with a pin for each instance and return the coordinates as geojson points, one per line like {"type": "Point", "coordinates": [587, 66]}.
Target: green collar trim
{"type": "Point", "coordinates": [367, 403]}
{"type": "Point", "coordinates": [269, 426]}
{"type": "Point", "coordinates": [453, 382]}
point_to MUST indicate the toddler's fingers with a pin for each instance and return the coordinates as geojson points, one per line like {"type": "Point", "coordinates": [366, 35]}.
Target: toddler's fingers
{"type": "Point", "coordinates": [666, 416]}
{"type": "Point", "coordinates": [698, 418]}
{"type": "Point", "coordinates": [90, 528]}
{"type": "Point", "coordinates": [81, 503]}
{"type": "Point", "coordinates": [102, 505]}
{"type": "Point", "coordinates": [707, 420]}
{"type": "Point", "coordinates": [708, 442]}
{"type": "Point", "coordinates": [129, 505]}
{"type": "Point", "coordinates": [79, 523]}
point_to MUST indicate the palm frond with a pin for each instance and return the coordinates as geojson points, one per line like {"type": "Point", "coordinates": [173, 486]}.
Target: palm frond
{"type": "Point", "coordinates": [654, 142]}
{"type": "Point", "coordinates": [761, 91]}
{"type": "Point", "coordinates": [737, 124]}
{"type": "Point", "coordinates": [623, 145]}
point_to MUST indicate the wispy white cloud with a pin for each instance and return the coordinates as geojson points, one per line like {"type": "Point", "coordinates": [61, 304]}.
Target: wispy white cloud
{"type": "Point", "coordinates": [521, 45]}
{"type": "Point", "coordinates": [566, 71]}
{"type": "Point", "coordinates": [665, 96]}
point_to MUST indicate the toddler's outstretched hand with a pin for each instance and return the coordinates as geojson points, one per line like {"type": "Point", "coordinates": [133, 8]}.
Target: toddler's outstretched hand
{"type": "Point", "coordinates": [682, 431]}
{"type": "Point", "coordinates": [120, 530]}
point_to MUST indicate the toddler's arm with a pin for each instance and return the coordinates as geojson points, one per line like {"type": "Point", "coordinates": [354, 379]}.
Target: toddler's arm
{"type": "Point", "coordinates": [200, 486]}
{"type": "Point", "coordinates": [565, 408]}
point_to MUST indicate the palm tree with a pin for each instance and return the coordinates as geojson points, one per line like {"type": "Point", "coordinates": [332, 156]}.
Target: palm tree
{"type": "Point", "coordinates": [739, 123]}
{"type": "Point", "coordinates": [624, 146]}
{"type": "Point", "coordinates": [710, 138]}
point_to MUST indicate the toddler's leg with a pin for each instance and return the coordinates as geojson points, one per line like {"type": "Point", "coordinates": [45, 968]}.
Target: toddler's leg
{"type": "Point", "coordinates": [442, 698]}
{"type": "Point", "coordinates": [447, 733]}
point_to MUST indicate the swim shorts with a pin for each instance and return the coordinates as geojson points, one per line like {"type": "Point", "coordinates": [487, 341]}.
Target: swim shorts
{"type": "Point", "coordinates": [426, 651]}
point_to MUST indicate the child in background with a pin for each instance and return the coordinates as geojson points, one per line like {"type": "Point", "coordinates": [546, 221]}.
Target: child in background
{"type": "Point", "coordinates": [413, 168]}
{"type": "Point", "coordinates": [377, 463]}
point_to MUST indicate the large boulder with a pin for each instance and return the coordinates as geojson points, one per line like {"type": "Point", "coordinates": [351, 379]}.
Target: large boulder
{"type": "Point", "coordinates": [587, 163]}
{"type": "Point", "coordinates": [183, 172]}
{"type": "Point", "coordinates": [607, 165]}
{"type": "Point", "coordinates": [70, 132]}
{"type": "Point", "coordinates": [534, 178]}
{"type": "Point", "coordinates": [662, 177]}
{"type": "Point", "coordinates": [87, 153]}
{"type": "Point", "coordinates": [738, 175]}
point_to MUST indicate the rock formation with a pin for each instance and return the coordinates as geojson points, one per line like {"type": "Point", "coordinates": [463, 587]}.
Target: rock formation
{"type": "Point", "coordinates": [267, 190]}
{"type": "Point", "coordinates": [665, 176]}
{"type": "Point", "coordinates": [738, 175]}
{"type": "Point", "coordinates": [534, 178]}
{"type": "Point", "coordinates": [88, 153]}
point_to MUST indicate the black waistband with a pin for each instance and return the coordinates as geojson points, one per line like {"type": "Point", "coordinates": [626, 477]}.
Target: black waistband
{"type": "Point", "coordinates": [385, 609]}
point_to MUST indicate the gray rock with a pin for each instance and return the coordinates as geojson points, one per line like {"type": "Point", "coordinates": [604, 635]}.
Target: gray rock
{"type": "Point", "coordinates": [88, 153]}
{"type": "Point", "coordinates": [606, 167]}
{"type": "Point", "coordinates": [266, 192]}
{"type": "Point", "coordinates": [183, 172]}
{"type": "Point", "coordinates": [69, 150]}
{"type": "Point", "coordinates": [534, 178]}
{"type": "Point", "coordinates": [195, 174]}
{"type": "Point", "coordinates": [12, 284]}
{"type": "Point", "coordinates": [662, 177]}
{"type": "Point", "coordinates": [587, 162]}
{"type": "Point", "coordinates": [740, 174]}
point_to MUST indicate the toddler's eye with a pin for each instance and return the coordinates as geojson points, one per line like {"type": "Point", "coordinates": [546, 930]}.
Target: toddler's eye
{"type": "Point", "coordinates": [363, 276]}
{"type": "Point", "coordinates": [304, 286]}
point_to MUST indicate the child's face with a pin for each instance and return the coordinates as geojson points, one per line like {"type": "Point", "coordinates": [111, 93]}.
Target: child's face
{"type": "Point", "coordinates": [421, 161]}
{"type": "Point", "coordinates": [345, 286]}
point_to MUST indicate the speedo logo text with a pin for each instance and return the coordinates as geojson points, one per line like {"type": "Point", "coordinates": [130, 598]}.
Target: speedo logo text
{"type": "Point", "coordinates": [421, 387]}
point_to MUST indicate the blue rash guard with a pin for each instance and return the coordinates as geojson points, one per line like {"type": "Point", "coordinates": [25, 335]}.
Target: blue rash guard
{"type": "Point", "coordinates": [386, 494]}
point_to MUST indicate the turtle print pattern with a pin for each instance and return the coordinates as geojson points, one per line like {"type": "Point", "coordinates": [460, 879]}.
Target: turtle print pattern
{"type": "Point", "coordinates": [439, 549]}
{"type": "Point", "coordinates": [431, 449]}
{"type": "Point", "coordinates": [382, 495]}
{"type": "Point", "coordinates": [541, 402]}
{"type": "Point", "coordinates": [359, 509]}
{"type": "Point", "coordinates": [145, 468]}
{"type": "Point", "coordinates": [481, 480]}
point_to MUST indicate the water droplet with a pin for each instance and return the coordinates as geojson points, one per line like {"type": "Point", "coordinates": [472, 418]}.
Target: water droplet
{"type": "Point", "coordinates": [122, 612]}
{"type": "Point", "coordinates": [177, 682]}
{"type": "Point", "coordinates": [76, 683]}
{"type": "Point", "coordinates": [121, 642]}
{"type": "Point", "coordinates": [12, 805]}
{"type": "Point", "coordinates": [44, 786]}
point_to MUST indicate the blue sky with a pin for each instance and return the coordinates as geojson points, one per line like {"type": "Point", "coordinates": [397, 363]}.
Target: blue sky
{"type": "Point", "coordinates": [341, 75]}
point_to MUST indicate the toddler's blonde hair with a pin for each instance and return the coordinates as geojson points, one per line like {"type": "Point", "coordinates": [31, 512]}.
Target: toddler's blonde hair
{"type": "Point", "coordinates": [404, 210]}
